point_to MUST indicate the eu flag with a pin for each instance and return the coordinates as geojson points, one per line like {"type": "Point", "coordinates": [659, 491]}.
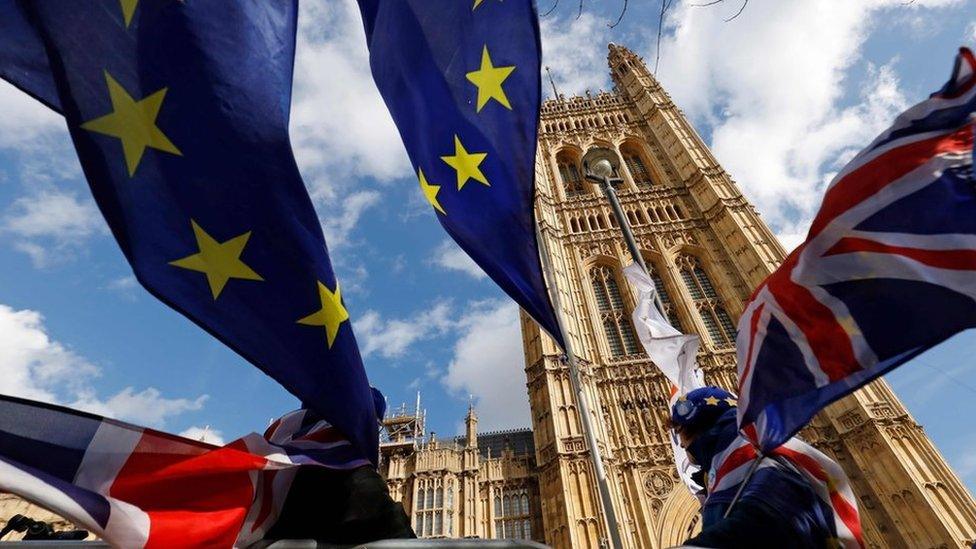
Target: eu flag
{"type": "Point", "coordinates": [179, 113]}
{"type": "Point", "coordinates": [461, 79]}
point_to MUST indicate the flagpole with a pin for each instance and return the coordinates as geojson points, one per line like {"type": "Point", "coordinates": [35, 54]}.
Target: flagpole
{"type": "Point", "coordinates": [584, 408]}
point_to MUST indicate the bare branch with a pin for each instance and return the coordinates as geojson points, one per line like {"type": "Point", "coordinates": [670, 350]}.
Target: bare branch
{"type": "Point", "coordinates": [665, 4]}
{"type": "Point", "coordinates": [552, 9]}
{"type": "Point", "coordinates": [580, 14]}
{"type": "Point", "coordinates": [706, 4]}
{"type": "Point", "coordinates": [619, 19]}
{"type": "Point", "coordinates": [738, 13]}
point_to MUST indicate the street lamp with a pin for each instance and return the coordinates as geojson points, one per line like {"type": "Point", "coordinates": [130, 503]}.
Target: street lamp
{"type": "Point", "coordinates": [600, 165]}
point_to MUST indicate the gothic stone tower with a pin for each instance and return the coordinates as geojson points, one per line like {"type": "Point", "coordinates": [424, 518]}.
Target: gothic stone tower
{"type": "Point", "coordinates": [708, 249]}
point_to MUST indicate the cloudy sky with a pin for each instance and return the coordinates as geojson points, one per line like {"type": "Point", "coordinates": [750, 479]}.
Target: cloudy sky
{"type": "Point", "coordinates": [785, 94]}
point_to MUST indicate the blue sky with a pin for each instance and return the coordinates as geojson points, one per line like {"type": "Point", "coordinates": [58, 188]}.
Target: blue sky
{"type": "Point", "coordinates": [784, 94]}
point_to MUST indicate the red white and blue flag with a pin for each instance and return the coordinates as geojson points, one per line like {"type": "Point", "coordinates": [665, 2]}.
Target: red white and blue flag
{"type": "Point", "coordinates": [886, 271]}
{"type": "Point", "coordinates": [137, 487]}
{"type": "Point", "coordinates": [731, 468]}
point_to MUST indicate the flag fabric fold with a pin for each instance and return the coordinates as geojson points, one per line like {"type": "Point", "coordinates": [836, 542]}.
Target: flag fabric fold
{"type": "Point", "coordinates": [179, 114]}
{"type": "Point", "coordinates": [137, 487]}
{"type": "Point", "coordinates": [672, 352]}
{"type": "Point", "coordinates": [462, 81]}
{"type": "Point", "coordinates": [894, 240]}
{"type": "Point", "coordinates": [730, 468]}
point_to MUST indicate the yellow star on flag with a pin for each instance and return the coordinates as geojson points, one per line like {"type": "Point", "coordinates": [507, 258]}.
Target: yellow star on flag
{"type": "Point", "coordinates": [476, 4]}
{"type": "Point", "coordinates": [430, 192]}
{"type": "Point", "coordinates": [331, 315]}
{"type": "Point", "coordinates": [711, 401]}
{"type": "Point", "coordinates": [466, 164]}
{"type": "Point", "coordinates": [133, 122]}
{"type": "Point", "coordinates": [731, 401]}
{"type": "Point", "coordinates": [128, 9]}
{"type": "Point", "coordinates": [220, 261]}
{"type": "Point", "coordinates": [488, 80]}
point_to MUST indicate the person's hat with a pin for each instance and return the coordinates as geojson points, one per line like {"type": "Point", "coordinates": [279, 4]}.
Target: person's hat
{"type": "Point", "coordinates": [701, 407]}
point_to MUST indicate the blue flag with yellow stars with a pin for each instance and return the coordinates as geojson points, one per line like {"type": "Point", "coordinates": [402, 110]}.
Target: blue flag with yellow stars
{"type": "Point", "coordinates": [461, 79]}
{"type": "Point", "coordinates": [179, 113]}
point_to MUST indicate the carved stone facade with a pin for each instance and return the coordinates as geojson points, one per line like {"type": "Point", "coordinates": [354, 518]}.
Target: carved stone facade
{"type": "Point", "coordinates": [709, 249]}
{"type": "Point", "coordinates": [483, 486]}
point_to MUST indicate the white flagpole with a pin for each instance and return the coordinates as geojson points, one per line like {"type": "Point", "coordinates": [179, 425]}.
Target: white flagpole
{"type": "Point", "coordinates": [584, 408]}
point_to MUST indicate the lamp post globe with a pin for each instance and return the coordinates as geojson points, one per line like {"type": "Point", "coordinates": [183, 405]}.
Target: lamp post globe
{"type": "Point", "coordinates": [602, 168]}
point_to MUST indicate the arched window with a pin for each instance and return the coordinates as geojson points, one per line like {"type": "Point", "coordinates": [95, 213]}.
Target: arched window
{"type": "Point", "coordinates": [718, 323]}
{"type": "Point", "coordinates": [669, 309]}
{"type": "Point", "coordinates": [569, 172]}
{"type": "Point", "coordinates": [637, 167]}
{"type": "Point", "coordinates": [613, 315]}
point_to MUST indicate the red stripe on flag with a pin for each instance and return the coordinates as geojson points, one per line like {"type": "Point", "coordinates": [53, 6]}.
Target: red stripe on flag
{"type": "Point", "coordinates": [329, 434]}
{"type": "Point", "coordinates": [738, 458]}
{"type": "Point", "coordinates": [958, 260]}
{"type": "Point", "coordinates": [873, 176]}
{"type": "Point", "coordinates": [848, 515]}
{"type": "Point", "coordinates": [195, 496]}
{"type": "Point", "coordinates": [825, 336]}
{"type": "Point", "coordinates": [845, 511]}
{"type": "Point", "coordinates": [267, 499]}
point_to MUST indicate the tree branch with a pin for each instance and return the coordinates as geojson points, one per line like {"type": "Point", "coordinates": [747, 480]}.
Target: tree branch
{"type": "Point", "coordinates": [621, 17]}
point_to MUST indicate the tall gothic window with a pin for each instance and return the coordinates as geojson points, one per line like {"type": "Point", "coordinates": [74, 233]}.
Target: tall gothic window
{"type": "Point", "coordinates": [642, 177]}
{"type": "Point", "coordinates": [669, 309]}
{"type": "Point", "coordinates": [718, 323]}
{"type": "Point", "coordinates": [616, 321]}
{"type": "Point", "coordinates": [429, 516]}
{"type": "Point", "coordinates": [572, 177]}
{"type": "Point", "coordinates": [512, 520]}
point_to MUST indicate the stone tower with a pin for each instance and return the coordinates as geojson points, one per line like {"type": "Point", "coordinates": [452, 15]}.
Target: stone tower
{"type": "Point", "coordinates": [708, 249]}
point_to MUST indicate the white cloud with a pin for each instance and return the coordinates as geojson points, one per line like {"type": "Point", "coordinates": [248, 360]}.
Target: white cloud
{"type": "Point", "coordinates": [146, 407]}
{"type": "Point", "coordinates": [349, 210]}
{"type": "Point", "coordinates": [51, 225]}
{"type": "Point", "coordinates": [34, 366]}
{"type": "Point", "coordinates": [24, 120]}
{"type": "Point", "coordinates": [393, 338]}
{"type": "Point", "coordinates": [776, 113]}
{"type": "Point", "coordinates": [204, 434]}
{"type": "Point", "coordinates": [567, 49]}
{"type": "Point", "coordinates": [450, 256]}
{"type": "Point", "coordinates": [488, 363]}
{"type": "Point", "coordinates": [340, 124]}
{"type": "Point", "coordinates": [125, 286]}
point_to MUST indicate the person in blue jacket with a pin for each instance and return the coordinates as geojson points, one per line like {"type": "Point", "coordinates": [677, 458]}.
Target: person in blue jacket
{"type": "Point", "coordinates": [777, 507]}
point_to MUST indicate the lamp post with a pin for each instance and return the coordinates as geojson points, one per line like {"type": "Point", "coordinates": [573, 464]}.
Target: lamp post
{"type": "Point", "coordinates": [575, 379]}
{"type": "Point", "coordinates": [599, 168]}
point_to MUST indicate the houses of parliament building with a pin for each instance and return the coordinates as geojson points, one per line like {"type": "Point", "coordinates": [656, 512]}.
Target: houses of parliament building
{"type": "Point", "coordinates": [708, 248]}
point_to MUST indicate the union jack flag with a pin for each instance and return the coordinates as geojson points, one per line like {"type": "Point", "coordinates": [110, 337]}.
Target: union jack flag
{"type": "Point", "coordinates": [886, 271]}
{"type": "Point", "coordinates": [732, 467]}
{"type": "Point", "coordinates": [137, 487]}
